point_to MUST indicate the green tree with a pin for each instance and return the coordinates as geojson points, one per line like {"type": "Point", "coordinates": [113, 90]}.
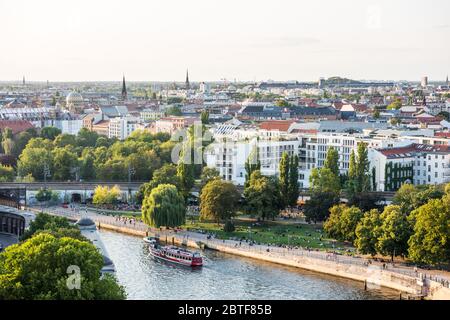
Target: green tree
{"type": "Point", "coordinates": [395, 105]}
{"type": "Point", "coordinates": [86, 138]}
{"type": "Point", "coordinates": [7, 141]}
{"type": "Point", "coordinates": [410, 197]}
{"type": "Point", "coordinates": [20, 142]}
{"type": "Point", "coordinates": [164, 206]}
{"type": "Point", "coordinates": [367, 232]}
{"type": "Point", "coordinates": [174, 111]}
{"type": "Point", "coordinates": [205, 117]}
{"type": "Point", "coordinates": [317, 207]}
{"type": "Point", "coordinates": [44, 221]}
{"type": "Point", "coordinates": [64, 140]}
{"type": "Point", "coordinates": [430, 240]}
{"type": "Point", "coordinates": [342, 222]}
{"type": "Point", "coordinates": [394, 233]}
{"type": "Point", "coordinates": [50, 133]}
{"type": "Point", "coordinates": [262, 196]}
{"type": "Point", "coordinates": [106, 196]}
{"type": "Point", "coordinates": [87, 166]}
{"type": "Point", "coordinates": [284, 178]}
{"type": "Point", "coordinates": [6, 173]}
{"type": "Point", "coordinates": [167, 174]}
{"type": "Point", "coordinates": [293, 188]}
{"type": "Point", "coordinates": [218, 200]}
{"type": "Point", "coordinates": [208, 174]}
{"type": "Point", "coordinates": [37, 270]}
{"type": "Point", "coordinates": [185, 171]}
{"type": "Point", "coordinates": [332, 161]}
{"type": "Point", "coordinates": [324, 180]}
{"type": "Point", "coordinates": [252, 164]}
{"type": "Point", "coordinates": [352, 166]}
{"type": "Point", "coordinates": [34, 161]}
{"type": "Point", "coordinates": [65, 161]}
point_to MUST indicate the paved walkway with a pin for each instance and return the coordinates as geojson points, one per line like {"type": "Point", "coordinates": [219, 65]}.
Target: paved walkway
{"type": "Point", "coordinates": [76, 213]}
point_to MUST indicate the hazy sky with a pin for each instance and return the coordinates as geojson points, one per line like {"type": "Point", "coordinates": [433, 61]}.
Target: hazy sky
{"type": "Point", "coordinates": [73, 40]}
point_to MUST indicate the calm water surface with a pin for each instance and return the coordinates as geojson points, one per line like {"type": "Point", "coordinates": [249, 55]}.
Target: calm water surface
{"type": "Point", "coordinates": [223, 277]}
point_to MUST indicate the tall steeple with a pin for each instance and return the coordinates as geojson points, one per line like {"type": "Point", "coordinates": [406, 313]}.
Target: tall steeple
{"type": "Point", "coordinates": [188, 86]}
{"type": "Point", "coordinates": [23, 80]}
{"type": "Point", "coordinates": [446, 81]}
{"type": "Point", "coordinates": [124, 90]}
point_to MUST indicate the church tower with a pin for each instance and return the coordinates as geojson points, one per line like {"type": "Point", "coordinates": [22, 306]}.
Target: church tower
{"type": "Point", "coordinates": [188, 86]}
{"type": "Point", "coordinates": [124, 90]}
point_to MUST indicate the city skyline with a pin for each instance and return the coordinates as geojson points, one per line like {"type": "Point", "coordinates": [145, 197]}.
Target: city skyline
{"type": "Point", "coordinates": [250, 41]}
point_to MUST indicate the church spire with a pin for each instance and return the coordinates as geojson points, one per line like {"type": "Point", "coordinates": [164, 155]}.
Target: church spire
{"type": "Point", "coordinates": [124, 90]}
{"type": "Point", "coordinates": [23, 80]}
{"type": "Point", "coordinates": [188, 86]}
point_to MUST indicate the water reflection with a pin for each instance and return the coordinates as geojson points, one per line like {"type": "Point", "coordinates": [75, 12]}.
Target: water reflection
{"type": "Point", "coordinates": [223, 277]}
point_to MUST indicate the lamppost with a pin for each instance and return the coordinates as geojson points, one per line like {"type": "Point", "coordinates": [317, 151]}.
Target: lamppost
{"type": "Point", "coordinates": [131, 171]}
{"type": "Point", "coordinates": [46, 174]}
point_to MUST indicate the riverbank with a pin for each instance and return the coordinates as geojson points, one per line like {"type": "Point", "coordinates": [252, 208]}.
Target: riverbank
{"type": "Point", "coordinates": [404, 280]}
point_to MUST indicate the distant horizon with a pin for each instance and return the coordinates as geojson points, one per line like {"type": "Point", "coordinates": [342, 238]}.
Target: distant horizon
{"type": "Point", "coordinates": [230, 81]}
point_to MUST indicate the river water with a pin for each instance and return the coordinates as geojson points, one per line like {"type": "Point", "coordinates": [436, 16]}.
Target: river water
{"type": "Point", "coordinates": [224, 276]}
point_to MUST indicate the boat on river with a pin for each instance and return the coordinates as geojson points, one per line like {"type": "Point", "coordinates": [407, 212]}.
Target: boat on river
{"type": "Point", "coordinates": [173, 254]}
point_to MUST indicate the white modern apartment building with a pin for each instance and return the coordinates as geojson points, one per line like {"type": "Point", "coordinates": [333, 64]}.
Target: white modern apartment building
{"type": "Point", "coordinates": [228, 156]}
{"type": "Point", "coordinates": [121, 128]}
{"type": "Point", "coordinates": [151, 115]}
{"type": "Point", "coordinates": [388, 153]}
{"type": "Point", "coordinates": [414, 163]}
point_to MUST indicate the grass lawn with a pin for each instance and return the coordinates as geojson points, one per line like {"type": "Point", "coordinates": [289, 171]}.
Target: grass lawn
{"type": "Point", "coordinates": [273, 232]}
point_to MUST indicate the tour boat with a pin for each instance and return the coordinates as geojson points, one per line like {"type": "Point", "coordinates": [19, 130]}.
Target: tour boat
{"type": "Point", "coordinates": [174, 254]}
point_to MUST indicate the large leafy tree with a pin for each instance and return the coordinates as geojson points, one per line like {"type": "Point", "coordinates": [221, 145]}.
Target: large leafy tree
{"type": "Point", "coordinates": [164, 206]}
{"type": "Point", "coordinates": [50, 133]}
{"type": "Point", "coordinates": [185, 171]}
{"type": "Point", "coordinates": [342, 222]}
{"type": "Point", "coordinates": [7, 141]}
{"type": "Point", "coordinates": [367, 232]}
{"type": "Point", "coordinates": [34, 160]}
{"type": "Point", "coordinates": [37, 270]}
{"type": "Point", "coordinates": [394, 233]}
{"type": "Point", "coordinates": [293, 188]}
{"type": "Point", "coordinates": [218, 200]}
{"type": "Point", "coordinates": [252, 164]}
{"type": "Point", "coordinates": [410, 197]}
{"type": "Point", "coordinates": [167, 174]}
{"type": "Point", "coordinates": [332, 161]}
{"type": "Point", "coordinates": [65, 162]}
{"type": "Point", "coordinates": [284, 178]}
{"type": "Point", "coordinates": [430, 241]}
{"type": "Point", "coordinates": [317, 207]}
{"type": "Point", "coordinates": [262, 196]}
{"type": "Point", "coordinates": [207, 175]}
{"type": "Point", "coordinates": [6, 173]}
{"type": "Point", "coordinates": [324, 180]}
{"type": "Point", "coordinates": [106, 196]}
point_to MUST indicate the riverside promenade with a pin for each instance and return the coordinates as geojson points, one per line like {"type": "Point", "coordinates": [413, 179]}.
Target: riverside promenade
{"type": "Point", "coordinates": [415, 282]}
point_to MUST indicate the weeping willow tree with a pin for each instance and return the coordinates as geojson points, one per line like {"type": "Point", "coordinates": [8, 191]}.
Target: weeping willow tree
{"type": "Point", "coordinates": [164, 206]}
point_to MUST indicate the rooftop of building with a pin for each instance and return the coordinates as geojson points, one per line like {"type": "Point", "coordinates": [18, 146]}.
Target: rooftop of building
{"type": "Point", "coordinates": [410, 150]}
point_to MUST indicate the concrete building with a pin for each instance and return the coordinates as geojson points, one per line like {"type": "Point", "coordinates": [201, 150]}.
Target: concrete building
{"type": "Point", "coordinates": [415, 163]}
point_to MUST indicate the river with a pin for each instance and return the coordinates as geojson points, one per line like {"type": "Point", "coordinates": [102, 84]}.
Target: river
{"type": "Point", "coordinates": [224, 276]}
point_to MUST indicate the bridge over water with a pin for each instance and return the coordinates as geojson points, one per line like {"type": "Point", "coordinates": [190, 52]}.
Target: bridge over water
{"type": "Point", "coordinates": [21, 192]}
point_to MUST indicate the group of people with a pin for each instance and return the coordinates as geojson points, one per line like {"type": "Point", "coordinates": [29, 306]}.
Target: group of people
{"type": "Point", "coordinates": [126, 220]}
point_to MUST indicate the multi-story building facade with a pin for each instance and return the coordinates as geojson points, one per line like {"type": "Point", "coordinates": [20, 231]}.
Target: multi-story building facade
{"type": "Point", "coordinates": [121, 128]}
{"type": "Point", "coordinates": [415, 163]}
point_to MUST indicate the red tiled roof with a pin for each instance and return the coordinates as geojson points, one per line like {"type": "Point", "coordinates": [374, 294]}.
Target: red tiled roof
{"type": "Point", "coordinates": [442, 134]}
{"type": "Point", "coordinates": [312, 131]}
{"type": "Point", "coordinates": [280, 125]}
{"type": "Point", "coordinates": [16, 126]}
{"type": "Point", "coordinates": [412, 148]}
